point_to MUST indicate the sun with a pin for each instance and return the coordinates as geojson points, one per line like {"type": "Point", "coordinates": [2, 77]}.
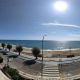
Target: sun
{"type": "Point", "coordinates": [60, 5]}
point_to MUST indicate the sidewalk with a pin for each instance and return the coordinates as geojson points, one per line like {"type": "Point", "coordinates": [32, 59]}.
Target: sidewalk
{"type": "Point", "coordinates": [3, 76]}
{"type": "Point", "coordinates": [49, 60]}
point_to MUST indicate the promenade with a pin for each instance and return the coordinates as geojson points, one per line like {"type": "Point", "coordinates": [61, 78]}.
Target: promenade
{"type": "Point", "coordinates": [3, 76]}
{"type": "Point", "coordinates": [52, 70]}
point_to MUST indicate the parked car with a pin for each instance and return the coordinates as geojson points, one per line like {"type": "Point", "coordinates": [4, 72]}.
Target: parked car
{"type": "Point", "coordinates": [29, 62]}
{"type": "Point", "coordinates": [4, 52]}
{"type": "Point", "coordinates": [12, 56]}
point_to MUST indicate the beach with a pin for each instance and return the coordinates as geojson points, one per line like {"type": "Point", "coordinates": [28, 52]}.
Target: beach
{"type": "Point", "coordinates": [50, 62]}
{"type": "Point", "coordinates": [50, 53]}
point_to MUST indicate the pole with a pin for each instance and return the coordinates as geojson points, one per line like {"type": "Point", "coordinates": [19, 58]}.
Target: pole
{"type": "Point", "coordinates": [42, 59]}
{"type": "Point", "coordinates": [59, 66]}
{"type": "Point", "coordinates": [7, 61]}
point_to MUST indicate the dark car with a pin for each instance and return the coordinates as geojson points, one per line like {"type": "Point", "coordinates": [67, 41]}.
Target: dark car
{"type": "Point", "coordinates": [1, 49]}
{"type": "Point", "coordinates": [4, 52]}
{"type": "Point", "coordinates": [29, 62]}
{"type": "Point", "coordinates": [12, 56]}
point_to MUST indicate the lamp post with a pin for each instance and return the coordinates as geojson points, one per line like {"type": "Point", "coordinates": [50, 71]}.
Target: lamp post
{"type": "Point", "coordinates": [42, 57]}
{"type": "Point", "coordinates": [7, 60]}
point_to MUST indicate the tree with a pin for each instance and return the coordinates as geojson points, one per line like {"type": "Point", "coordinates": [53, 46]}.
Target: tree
{"type": "Point", "coordinates": [9, 47]}
{"type": "Point", "coordinates": [3, 45]}
{"type": "Point", "coordinates": [35, 52]}
{"type": "Point", "coordinates": [19, 49]}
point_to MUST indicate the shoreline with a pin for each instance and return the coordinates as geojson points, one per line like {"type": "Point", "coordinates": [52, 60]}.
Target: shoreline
{"type": "Point", "coordinates": [50, 53]}
{"type": "Point", "coordinates": [67, 49]}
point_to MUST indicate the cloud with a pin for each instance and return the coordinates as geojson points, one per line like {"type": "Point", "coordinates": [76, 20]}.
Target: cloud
{"type": "Point", "coordinates": [76, 36]}
{"type": "Point", "coordinates": [60, 24]}
{"type": "Point", "coordinates": [69, 37]}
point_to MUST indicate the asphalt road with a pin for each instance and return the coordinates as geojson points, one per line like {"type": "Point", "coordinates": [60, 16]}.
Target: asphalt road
{"type": "Point", "coordinates": [18, 63]}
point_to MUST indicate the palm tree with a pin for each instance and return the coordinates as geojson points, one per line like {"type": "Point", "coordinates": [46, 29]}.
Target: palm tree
{"type": "Point", "coordinates": [19, 49]}
{"type": "Point", "coordinates": [9, 47]}
{"type": "Point", "coordinates": [3, 45]}
{"type": "Point", "coordinates": [35, 52]}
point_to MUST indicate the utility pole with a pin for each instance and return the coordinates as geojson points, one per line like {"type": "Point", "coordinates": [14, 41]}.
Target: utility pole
{"type": "Point", "coordinates": [42, 57]}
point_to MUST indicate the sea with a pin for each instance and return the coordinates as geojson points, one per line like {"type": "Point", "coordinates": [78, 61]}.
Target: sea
{"type": "Point", "coordinates": [47, 44]}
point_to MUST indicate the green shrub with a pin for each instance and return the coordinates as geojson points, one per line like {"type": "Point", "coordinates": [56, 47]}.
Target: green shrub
{"type": "Point", "coordinates": [9, 47]}
{"type": "Point", "coordinates": [3, 45]}
{"type": "Point", "coordinates": [13, 73]}
{"type": "Point", "coordinates": [35, 52]}
{"type": "Point", "coordinates": [19, 49]}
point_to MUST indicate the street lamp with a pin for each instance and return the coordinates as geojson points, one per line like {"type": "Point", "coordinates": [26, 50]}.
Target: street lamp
{"type": "Point", "coordinates": [42, 56]}
{"type": "Point", "coordinates": [7, 60]}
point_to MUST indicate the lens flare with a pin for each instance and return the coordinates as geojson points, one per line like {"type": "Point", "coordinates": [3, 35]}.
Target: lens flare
{"type": "Point", "coordinates": [60, 5]}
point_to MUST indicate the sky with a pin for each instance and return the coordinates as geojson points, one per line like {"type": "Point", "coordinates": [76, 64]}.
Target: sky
{"type": "Point", "coordinates": [32, 19]}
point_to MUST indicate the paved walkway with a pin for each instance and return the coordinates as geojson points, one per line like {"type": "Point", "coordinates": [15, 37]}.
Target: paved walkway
{"type": "Point", "coordinates": [3, 76]}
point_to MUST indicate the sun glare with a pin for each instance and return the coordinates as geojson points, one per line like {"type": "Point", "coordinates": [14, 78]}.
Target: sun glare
{"type": "Point", "coordinates": [60, 5]}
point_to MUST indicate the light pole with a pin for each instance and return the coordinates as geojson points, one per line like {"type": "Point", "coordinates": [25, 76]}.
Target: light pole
{"type": "Point", "coordinates": [7, 60]}
{"type": "Point", "coordinates": [42, 57]}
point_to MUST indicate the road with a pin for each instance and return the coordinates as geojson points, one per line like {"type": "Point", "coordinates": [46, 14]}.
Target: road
{"type": "Point", "coordinates": [17, 63]}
